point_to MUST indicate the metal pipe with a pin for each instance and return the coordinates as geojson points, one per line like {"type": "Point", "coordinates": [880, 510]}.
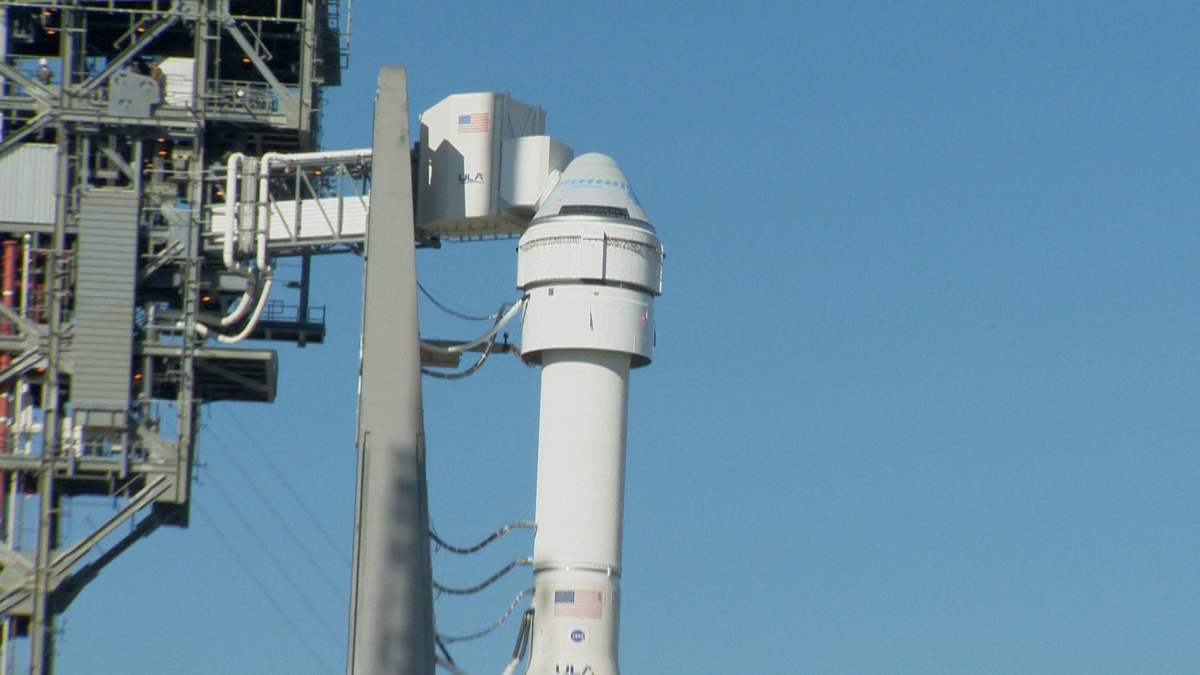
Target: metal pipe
{"type": "Point", "coordinates": [9, 278]}
{"type": "Point", "coordinates": [26, 255]}
{"type": "Point", "coordinates": [8, 283]}
{"type": "Point", "coordinates": [330, 156]}
{"type": "Point", "coordinates": [262, 227]}
{"type": "Point", "coordinates": [247, 206]}
{"type": "Point", "coordinates": [41, 624]}
{"type": "Point", "coordinates": [244, 304]}
{"type": "Point", "coordinates": [231, 204]}
{"type": "Point", "coordinates": [253, 322]}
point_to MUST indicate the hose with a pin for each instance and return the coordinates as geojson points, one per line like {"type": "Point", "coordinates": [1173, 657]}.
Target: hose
{"type": "Point", "coordinates": [487, 351]}
{"type": "Point", "coordinates": [519, 525]}
{"type": "Point", "coordinates": [253, 322]}
{"type": "Point", "coordinates": [487, 582]}
{"type": "Point", "coordinates": [495, 624]}
{"type": "Point", "coordinates": [466, 346]}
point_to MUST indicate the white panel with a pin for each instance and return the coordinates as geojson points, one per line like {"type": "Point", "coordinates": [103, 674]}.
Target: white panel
{"type": "Point", "coordinates": [580, 510]}
{"type": "Point", "coordinates": [180, 73]}
{"type": "Point", "coordinates": [461, 162]}
{"type": "Point", "coordinates": [581, 457]}
{"type": "Point", "coordinates": [588, 317]}
{"type": "Point", "coordinates": [564, 249]}
{"type": "Point", "coordinates": [28, 180]}
{"type": "Point", "coordinates": [455, 174]}
{"type": "Point", "coordinates": [319, 219]}
{"type": "Point", "coordinates": [591, 258]}
{"type": "Point", "coordinates": [525, 166]}
{"type": "Point", "coordinates": [585, 641]}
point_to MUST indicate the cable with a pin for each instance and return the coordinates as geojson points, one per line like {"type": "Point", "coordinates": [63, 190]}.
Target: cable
{"type": "Point", "coordinates": [524, 636]}
{"type": "Point", "coordinates": [278, 474]}
{"type": "Point", "coordinates": [287, 528]}
{"type": "Point", "coordinates": [490, 580]}
{"type": "Point", "coordinates": [451, 312]}
{"type": "Point", "coordinates": [451, 639]}
{"type": "Point", "coordinates": [463, 373]}
{"type": "Point", "coordinates": [490, 337]}
{"type": "Point", "coordinates": [519, 525]}
{"type": "Point", "coordinates": [453, 669]}
{"type": "Point", "coordinates": [442, 646]}
{"type": "Point", "coordinates": [466, 346]}
{"type": "Point", "coordinates": [261, 587]}
{"type": "Point", "coordinates": [278, 565]}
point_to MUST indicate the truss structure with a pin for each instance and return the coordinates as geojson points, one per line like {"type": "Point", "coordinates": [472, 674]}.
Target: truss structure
{"type": "Point", "coordinates": [117, 118]}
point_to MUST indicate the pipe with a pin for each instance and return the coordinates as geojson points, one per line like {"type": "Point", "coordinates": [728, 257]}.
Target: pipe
{"type": "Point", "coordinates": [243, 306]}
{"type": "Point", "coordinates": [205, 331]}
{"type": "Point", "coordinates": [262, 227]}
{"type": "Point", "coordinates": [253, 322]}
{"type": "Point", "coordinates": [466, 346]}
{"type": "Point", "coordinates": [8, 292]}
{"type": "Point", "coordinates": [238, 312]}
{"type": "Point", "coordinates": [25, 253]}
{"type": "Point", "coordinates": [231, 205]}
{"type": "Point", "coordinates": [326, 155]}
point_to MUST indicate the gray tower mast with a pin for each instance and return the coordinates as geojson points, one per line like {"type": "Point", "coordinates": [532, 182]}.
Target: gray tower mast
{"type": "Point", "coordinates": [391, 613]}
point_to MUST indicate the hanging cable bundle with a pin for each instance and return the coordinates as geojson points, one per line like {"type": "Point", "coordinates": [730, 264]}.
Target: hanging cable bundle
{"type": "Point", "coordinates": [454, 313]}
{"type": "Point", "coordinates": [451, 639]}
{"type": "Point", "coordinates": [519, 525]}
{"type": "Point", "coordinates": [488, 582]}
{"type": "Point", "coordinates": [502, 319]}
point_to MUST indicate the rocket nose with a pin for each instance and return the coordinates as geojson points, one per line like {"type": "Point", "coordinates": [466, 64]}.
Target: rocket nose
{"type": "Point", "coordinates": [593, 185]}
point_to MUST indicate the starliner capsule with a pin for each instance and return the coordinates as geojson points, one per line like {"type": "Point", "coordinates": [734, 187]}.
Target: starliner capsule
{"type": "Point", "coordinates": [590, 265]}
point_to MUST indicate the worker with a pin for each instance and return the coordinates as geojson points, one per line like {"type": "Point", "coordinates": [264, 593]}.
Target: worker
{"type": "Point", "coordinates": [44, 74]}
{"type": "Point", "coordinates": [158, 76]}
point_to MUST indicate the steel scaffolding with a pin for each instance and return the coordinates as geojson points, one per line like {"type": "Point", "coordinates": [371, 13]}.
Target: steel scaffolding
{"type": "Point", "coordinates": [116, 120]}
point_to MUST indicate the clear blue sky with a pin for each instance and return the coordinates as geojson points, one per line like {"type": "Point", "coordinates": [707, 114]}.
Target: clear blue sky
{"type": "Point", "coordinates": [926, 388]}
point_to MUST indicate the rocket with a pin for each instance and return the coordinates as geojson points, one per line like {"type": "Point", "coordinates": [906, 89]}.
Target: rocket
{"type": "Point", "coordinates": [590, 265]}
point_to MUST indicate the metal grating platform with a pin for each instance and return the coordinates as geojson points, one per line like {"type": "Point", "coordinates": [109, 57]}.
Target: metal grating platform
{"type": "Point", "coordinates": [221, 374]}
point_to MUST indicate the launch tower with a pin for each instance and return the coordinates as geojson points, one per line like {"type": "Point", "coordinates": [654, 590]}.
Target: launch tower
{"type": "Point", "coordinates": [117, 120]}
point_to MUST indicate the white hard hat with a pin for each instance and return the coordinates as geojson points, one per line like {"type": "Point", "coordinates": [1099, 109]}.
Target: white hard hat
{"type": "Point", "coordinates": [42, 62]}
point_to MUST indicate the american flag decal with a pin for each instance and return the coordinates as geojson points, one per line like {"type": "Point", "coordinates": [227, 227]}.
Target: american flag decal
{"type": "Point", "coordinates": [578, 604]}
{"type": "Point", "coordinates": [472, 123]}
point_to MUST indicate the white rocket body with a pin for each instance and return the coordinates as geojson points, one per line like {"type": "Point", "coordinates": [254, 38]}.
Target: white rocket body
{"type": "Point", "coordinates": [590, 265]}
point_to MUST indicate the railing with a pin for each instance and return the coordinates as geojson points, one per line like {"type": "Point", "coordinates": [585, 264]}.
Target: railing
{"type": "Point", "coordinates": [279, 311]}
{"type": "Point", "coordinates": [252, 97]}
{"type": "Point", "coordinates": [335, 26]}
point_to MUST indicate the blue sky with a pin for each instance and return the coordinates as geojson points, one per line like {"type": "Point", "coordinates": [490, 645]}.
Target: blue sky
{"type": "Point", "coordinates": [925, 391]}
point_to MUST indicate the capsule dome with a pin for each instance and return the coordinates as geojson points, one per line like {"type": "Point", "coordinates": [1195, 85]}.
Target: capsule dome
{"type": "Point", "coordinates": [593, 185]}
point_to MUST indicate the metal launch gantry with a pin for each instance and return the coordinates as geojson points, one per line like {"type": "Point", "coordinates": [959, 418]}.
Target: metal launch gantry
{"type": "Point", "coordinates": [114, 118]}
{"type": "Point", "coordinates": [156, 158]}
